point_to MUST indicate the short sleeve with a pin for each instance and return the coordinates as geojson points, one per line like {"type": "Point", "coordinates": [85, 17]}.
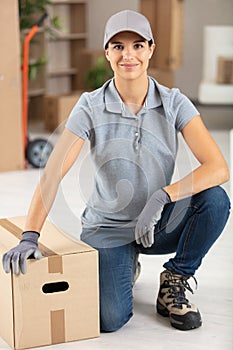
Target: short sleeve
{"type": "Point", "coordinates": [184, 110]}
{"type": "Point", "coordinates": [79, 120]}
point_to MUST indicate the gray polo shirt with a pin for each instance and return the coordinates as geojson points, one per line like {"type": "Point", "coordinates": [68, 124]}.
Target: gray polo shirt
{"type": "Point", "coordinates": [133, 155]}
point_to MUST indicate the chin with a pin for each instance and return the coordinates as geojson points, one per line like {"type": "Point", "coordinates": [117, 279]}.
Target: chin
{"type": "Point", "coordinates": [130, 76]}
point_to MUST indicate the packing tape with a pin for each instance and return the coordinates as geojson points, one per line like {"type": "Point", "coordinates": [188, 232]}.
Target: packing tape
{"type": "Point", "coordinates": [55, 264]}
{"type": "Point", "coordinates": [57, 324]}
{"type": "Point", "coordinates": [54, 260]}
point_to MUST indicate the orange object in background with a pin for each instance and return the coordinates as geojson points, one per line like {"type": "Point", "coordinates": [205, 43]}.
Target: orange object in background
{"type": "Point", "coordinates": [25, 65]}
{"type": "Point", "coordinates": [38, 151]}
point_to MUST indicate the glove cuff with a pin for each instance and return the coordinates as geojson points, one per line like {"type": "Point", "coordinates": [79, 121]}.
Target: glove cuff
{"type": "Point", "coordinates": [30, 236]}
{"type": "Point", "coordinates": [168, 198]}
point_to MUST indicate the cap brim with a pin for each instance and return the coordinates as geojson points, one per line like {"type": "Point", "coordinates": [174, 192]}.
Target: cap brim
{"type": "Point", "coordinates": [144, 36]}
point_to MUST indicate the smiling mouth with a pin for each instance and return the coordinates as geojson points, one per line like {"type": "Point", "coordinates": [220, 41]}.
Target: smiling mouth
{"type": "Point", "coordinates": [127, 65]}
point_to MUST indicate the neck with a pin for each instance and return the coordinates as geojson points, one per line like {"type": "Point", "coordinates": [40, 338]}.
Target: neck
{"type": "Point", "coordinates": [133, 92]}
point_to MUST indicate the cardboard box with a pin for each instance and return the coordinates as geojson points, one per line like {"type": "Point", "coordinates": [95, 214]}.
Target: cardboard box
{"type": "Point", "coordinates": [57, 299]}
{"type": "Point", "coordinates": [163, 76]}
{"type": "Point", "coordinates": [11, 138]}
{"type": "Point", "coordinates": [225, 70]}
{"type": "Point", "coordinates": [36, 109]}
{"type": "Point", "coordinates": [57, 110]}
{"type": "Point", "coordinates": [166, 18]}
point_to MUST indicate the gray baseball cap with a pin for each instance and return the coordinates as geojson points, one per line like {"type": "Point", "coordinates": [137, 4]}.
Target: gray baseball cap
{"type": "Point", "coordinates": [127, 20]}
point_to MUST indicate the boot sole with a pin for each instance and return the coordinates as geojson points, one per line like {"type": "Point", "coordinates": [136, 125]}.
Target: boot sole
{"type": "Point", "coordinates": [186, 322]}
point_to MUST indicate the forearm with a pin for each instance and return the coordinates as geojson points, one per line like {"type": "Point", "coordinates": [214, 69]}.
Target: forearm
{"type": "Point", "coordinates": [59, 163]}
{"type": "Point", "coordinates": [41, 204]}
{"type": "Point", "coordinates": [202, 178]}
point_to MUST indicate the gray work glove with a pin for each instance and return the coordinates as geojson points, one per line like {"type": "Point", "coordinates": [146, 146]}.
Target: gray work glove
{"type": "Point", "coordinates": [16, 257]}
{"type": "Point", "coordinates": [150, 215]}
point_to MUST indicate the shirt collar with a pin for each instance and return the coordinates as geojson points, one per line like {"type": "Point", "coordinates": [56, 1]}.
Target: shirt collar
{"type": "Point", "coordinates": [113, 101]}
{"type": "Point", "coordinates": [115, 104]}
{"type": "Point", "coordinates": [153, 98]}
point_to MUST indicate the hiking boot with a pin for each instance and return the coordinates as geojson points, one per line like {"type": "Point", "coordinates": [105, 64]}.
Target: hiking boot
{"type": "Point", "coordinates": [172, 303]}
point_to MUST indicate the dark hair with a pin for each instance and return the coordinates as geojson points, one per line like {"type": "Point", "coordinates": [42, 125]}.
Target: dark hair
{"type": "Point", "coordinates": [150, 42]}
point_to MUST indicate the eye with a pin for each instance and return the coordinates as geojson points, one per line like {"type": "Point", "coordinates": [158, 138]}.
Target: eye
{"type": "Point", "coordinates": [118, 47]}
{"type": "Point", "coordinates": [138, 46]}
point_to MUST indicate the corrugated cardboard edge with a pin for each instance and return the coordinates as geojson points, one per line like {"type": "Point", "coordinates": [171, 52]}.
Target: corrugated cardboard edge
{"type": "Point", "coordinates": [6, 307]}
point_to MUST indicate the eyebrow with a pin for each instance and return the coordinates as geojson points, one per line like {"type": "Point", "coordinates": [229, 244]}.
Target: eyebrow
{"type": "Point", "coordinates": [119, 42]}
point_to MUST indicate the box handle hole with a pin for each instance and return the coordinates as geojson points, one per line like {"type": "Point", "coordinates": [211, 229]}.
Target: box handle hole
{"type": "Point", "coordinates": [55, 287]}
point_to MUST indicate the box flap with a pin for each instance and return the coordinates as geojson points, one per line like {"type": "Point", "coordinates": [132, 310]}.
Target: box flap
{"type": "Point", "coordinates": [52, 240]}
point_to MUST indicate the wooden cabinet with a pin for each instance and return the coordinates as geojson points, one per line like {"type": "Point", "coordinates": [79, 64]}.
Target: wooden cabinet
{"type": "Point", "coordinates": [63, 74]}
{"type": "Point", "coordinates": [166, 19]}
{"type": "Point", "coordinates": [59, 51]}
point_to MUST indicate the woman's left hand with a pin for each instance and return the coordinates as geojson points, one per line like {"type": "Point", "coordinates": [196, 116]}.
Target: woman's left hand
{"type": "Point", "coordinates": [149, 217]}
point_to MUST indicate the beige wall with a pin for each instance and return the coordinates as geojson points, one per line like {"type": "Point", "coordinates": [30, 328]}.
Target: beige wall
{"type": "Point", "coordinates": [99, 12]}
{"type": "Point", "coordinates": [198, 13]}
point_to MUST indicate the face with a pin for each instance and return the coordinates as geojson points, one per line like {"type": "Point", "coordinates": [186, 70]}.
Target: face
{"type": "Point", "coordinates": [129, 54]}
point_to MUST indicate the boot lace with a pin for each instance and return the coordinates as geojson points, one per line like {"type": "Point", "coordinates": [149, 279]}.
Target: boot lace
{"type": "Point", "coordinates": [178, 285]}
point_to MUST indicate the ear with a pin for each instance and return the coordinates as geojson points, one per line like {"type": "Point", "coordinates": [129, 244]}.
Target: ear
{"type": "Point", "coordinates": [152, 48]}
{"type": "Point", "coordinates": [107, 54]}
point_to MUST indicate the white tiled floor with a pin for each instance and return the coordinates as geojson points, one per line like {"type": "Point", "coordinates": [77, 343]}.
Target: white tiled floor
{"type": "Point", "coordinates": [146, 329]}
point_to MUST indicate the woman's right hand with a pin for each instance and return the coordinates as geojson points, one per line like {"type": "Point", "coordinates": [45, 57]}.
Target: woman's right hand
{"type": "Point", "coordinates": [17, 256]}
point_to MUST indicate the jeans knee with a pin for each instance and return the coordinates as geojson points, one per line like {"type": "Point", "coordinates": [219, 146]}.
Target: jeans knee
{"type": "Point", "coordinates": [216, 203]}
{"type": "Point", "coordinates": [217, 198]}
{"type": "Point", "coordinates": [113, 321]}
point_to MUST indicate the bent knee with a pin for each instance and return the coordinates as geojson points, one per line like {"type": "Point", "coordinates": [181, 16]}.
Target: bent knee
{"type": "Point", "coordinates": [217, 198]}
{"type": "Point", "coordinates": [216, 204]}
{"type": "Point", "coordinates": [113, 321]}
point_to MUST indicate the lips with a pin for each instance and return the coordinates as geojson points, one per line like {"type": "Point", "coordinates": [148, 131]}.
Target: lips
{"type": "Point", "coordinates": [129, 65]}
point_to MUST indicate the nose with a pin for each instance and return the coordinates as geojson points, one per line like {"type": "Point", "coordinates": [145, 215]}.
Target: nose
{"type": "Point", "coordinates": [127, 53]}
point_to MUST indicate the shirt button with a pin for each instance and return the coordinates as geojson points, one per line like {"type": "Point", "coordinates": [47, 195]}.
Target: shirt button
{"type": "Point", "coordinates": [136, 133]}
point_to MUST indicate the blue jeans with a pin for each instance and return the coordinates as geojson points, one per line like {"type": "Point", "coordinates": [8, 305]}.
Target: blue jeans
{"type": "Point", "coordinates": [188, 227]}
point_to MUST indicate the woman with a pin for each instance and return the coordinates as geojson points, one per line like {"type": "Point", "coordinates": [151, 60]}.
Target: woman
{"type": "Point", "coordinates": [132, 124]}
